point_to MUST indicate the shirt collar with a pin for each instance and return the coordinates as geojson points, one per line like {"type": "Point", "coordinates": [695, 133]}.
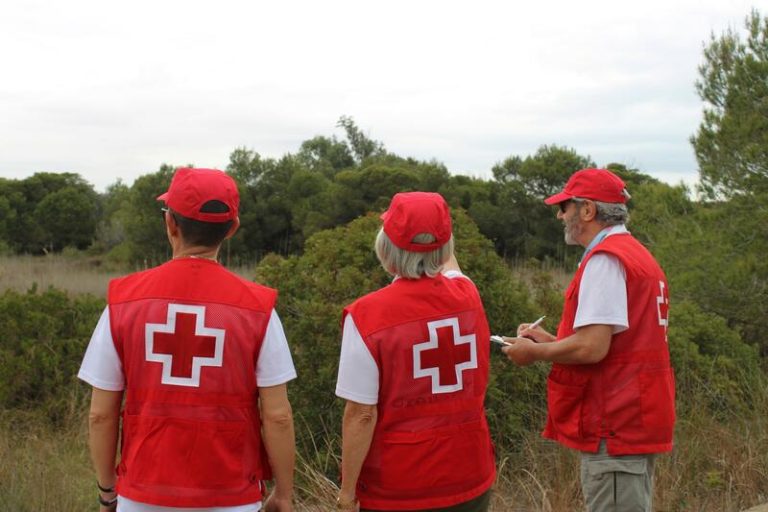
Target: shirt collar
{"type": "Point", "coordinates": [610, 230]}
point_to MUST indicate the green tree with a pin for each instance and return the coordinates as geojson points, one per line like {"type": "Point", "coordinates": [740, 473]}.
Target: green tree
{"type": "Point", "coordinates": [65, 195]}
{"type": "Point", "coordinates": [246, 166]}
{"type": "Point", "coordinates": [145, 237]}
{"type": "Point", "coordinates": [325, 155]}
{"type": "Point", "coordinates": [110, 230]}
{"type": "Point", "coordinates": [68, 217]}
{"type": "Point", "coordinates": [527, 227]}
{"type": "Point", "coordinates": [712, 253]}
{"type": "Point", "coordinates": [545, 172]}
{"type": "Point", "coordinates": [362, 146]}
{"type": "Point", "coordinates": [732, 141]}
{"type": "Point", "coordinates": [7, 214]}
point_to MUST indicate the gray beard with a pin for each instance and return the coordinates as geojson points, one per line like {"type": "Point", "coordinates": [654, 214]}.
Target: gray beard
{"type": "Point", "coordinates": [571, 230]}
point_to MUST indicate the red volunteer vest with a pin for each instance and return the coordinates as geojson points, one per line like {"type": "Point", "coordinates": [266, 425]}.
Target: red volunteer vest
{"type": "Point", "coordinates": [188, 334]}
{"type": "Point", "coordinates": [628, 398]}
{"type": "Point", "coordinates": [431, 446]}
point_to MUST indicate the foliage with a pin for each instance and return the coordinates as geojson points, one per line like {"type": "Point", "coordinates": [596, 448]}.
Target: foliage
{"type": "Point", "coordinates": [544, 173]}
{"type": "Point", "coordinates": [714, 367]}
{"type": "Point", "coordinates": [43, 342]}
{"type": "Point", "coordinates": [327, 183]}
{"type": "Point", "coordinates": [362, 146]}
{"type": "Point", "coordinates": [47, 211]}
{"type": "Point", "coordinates": [713, 253]}
{"type": "Point", "coordinates": [337, 267]}
{"type": "Point", "coordinates": [139, 215]}
{"type": "Point", "coordinates": [732, 142]}
{"type": "Point", "coordinates": [110, 230]}
{"type": "Point", "coordinates": [67, 217]}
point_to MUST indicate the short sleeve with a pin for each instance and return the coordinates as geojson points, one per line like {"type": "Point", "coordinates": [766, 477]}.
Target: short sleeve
{"type": "Point", "coordinates": [275, 364]}
{"type": "Point", "coordinates": [603, 294]}
{"type": "Point", "coordinates": [453, 274]}
{"type": "Point", "coordinates": [101, 366]}
{"type": "Point", "coordinates": [358, 378]}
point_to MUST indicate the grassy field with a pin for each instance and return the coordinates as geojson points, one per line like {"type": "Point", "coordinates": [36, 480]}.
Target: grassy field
{"type": "Point", "coordinates": [718, 465]}
{"type": "Point", "coordinates": [75, 274]}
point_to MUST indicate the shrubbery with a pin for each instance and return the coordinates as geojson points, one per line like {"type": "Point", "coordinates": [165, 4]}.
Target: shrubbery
{"type": "Point", "coordinates": [715, 368]}
{"type": "Point", "coordinates": [44, 336]}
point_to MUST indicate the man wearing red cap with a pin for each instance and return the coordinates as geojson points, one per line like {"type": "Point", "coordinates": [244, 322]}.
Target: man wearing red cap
{"type": "Point", "coordinates": [611, 389]}
{"type": "Point", "coordinates": [414, 370]}
{"type": "Point", "coordinates": [200, 357]}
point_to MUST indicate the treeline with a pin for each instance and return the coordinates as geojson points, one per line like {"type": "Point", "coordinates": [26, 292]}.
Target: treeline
{"type": "Point", "coordinates": [326, 183]}
{"type": "Point", "coordinates": [712, 248]}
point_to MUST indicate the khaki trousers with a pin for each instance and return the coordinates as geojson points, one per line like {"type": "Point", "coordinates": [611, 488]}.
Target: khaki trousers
{"type": "Point", "coordinates": [617, 484]}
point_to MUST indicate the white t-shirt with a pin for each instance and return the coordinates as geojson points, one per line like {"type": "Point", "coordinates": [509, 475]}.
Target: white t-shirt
{"type": "Point", "coordinates": [603, 291]}
{"type": "Point", "coordinates": [102, 368]}
{"type": "Point", "coordinates": [358, 378]}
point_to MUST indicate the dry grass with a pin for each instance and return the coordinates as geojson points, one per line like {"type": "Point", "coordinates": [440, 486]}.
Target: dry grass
{"type": "Point", "coordinates": [716, 467]}
{"type": "Point", "coordinates": [76, 274]}
{"type": "Point", "coordinates": [42, 470]}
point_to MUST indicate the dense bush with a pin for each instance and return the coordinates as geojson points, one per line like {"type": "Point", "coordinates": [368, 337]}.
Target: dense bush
{"type": "Point", "coordinates": [337, 267]}
{"type": "Point", "coordinates": [45, 334]}
{"type": "Point", "coordinates": [715, 368]}
{"type": "Point", "coordinates": [43, 342]}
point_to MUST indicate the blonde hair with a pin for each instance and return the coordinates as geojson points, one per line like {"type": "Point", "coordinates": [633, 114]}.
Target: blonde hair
{"type": "Point", "coordinates": [408, 264]}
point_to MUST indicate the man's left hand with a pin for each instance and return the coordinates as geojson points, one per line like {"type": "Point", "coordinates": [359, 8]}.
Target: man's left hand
{"type": "Point", "coordinates": [275, 503]}
{"type": "Point", "coordinates": [521, 351]}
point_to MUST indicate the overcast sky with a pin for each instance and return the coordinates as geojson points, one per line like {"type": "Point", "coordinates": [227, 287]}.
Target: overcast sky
{"type": "Point", "coordinates": [113, 90]}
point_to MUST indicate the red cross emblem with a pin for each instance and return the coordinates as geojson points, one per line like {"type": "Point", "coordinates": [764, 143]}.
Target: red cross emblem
{"type": "Point", "coordinates": [445, 356]}
{"type": "Point", "coordinates": [183, 345]}
{"type": "Point", "coordinates": [662, 306]}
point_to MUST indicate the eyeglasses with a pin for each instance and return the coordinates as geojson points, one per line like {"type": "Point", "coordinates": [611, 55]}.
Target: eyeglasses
{"type": "Point", "coordinates": [564, 205]}
{"type": "Point", "coordinates": [163, 211]}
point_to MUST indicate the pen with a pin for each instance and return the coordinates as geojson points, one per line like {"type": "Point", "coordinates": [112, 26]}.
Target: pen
{"type": "Point", "coordinates": [537, 322]}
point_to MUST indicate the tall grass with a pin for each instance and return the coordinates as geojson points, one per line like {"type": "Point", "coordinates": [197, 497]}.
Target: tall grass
{"type": "Point", "coordinates": [75, 273]}
{"type": "Point", "coordinates": [42, 468]}
{"type": "Point", "coordinates": [715, 467]}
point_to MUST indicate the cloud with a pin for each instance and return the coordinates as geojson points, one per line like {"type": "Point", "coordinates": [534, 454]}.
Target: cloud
{"type": "Point", "coordinates": [116, 91]}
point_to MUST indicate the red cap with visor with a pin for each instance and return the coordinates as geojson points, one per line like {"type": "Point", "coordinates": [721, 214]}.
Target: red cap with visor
{"type": "Point", "coordinates": [191, 188]}
{"type": "Point", "coordinates": [596, 184]}
{"type": "Point", "coordinates": [414, 213]}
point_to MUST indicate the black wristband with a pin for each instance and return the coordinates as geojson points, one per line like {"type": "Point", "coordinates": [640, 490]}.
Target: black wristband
{"type": "Point", "coordinates": [107, 503]}
{"type": "Point", "coordinates": [105, 489]}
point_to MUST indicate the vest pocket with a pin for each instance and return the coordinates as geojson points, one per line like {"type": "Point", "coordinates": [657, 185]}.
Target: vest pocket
{"type": "Point", "coordinates": [174, 452]}
{"type": "Point", "coordinates": [565, 402]}
{"type": "Point", "coordinates": [444, 461]}
{"type": "Point", "coordinates": [658, 402]}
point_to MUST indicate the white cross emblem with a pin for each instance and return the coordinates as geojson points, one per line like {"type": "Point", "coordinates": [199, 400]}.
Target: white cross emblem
{"type": "Point", "coordinates": [423, 353]}
{"type": "Point", "coordinates": [157, 352]}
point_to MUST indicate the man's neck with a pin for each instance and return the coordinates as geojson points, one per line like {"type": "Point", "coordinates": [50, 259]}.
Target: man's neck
{"type": "Point", "coordinates": [590, 232]}
{"type": "Point", "coordinates": [208, 253]}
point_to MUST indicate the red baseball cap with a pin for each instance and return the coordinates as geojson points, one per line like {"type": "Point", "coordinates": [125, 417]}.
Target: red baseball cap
{"type": "Point", "coordinates": [596, 184]}
{"type": "Point", "coordinates": [191, 188]}
{"type": "Point", "coordinates": [413, 213]}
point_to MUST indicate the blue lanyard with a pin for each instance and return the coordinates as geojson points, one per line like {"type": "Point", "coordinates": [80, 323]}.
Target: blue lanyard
{"type": "Point", "coordinates": [598, 238]}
